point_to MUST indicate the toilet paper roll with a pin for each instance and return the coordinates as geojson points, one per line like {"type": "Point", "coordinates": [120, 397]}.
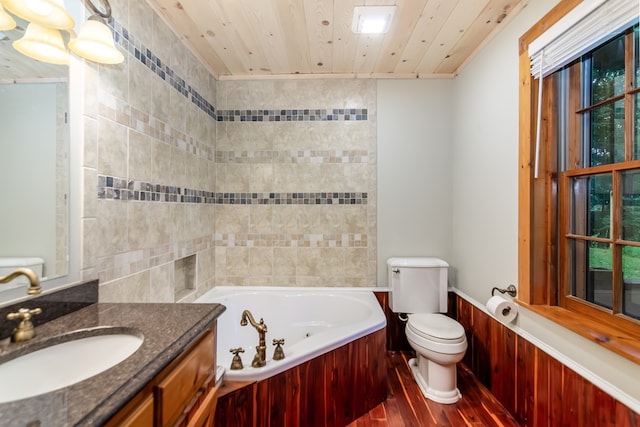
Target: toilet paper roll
{"type": "Point", "coordinates": [504, 310]}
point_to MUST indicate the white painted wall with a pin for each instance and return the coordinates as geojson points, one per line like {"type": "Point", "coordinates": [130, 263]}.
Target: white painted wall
{"type": "Point", "coordinates": [485, 197]}
{"type": "Point", "coordinates": [414, 176]}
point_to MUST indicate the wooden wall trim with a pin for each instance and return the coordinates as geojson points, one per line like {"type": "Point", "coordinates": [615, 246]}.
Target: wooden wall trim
{"type": "Point", "coordinates": [529, 382]}
{"type": "Point", "coordinates": [526, 157]}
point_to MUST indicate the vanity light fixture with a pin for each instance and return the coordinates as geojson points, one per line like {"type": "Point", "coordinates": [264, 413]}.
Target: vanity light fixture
{"type": "Point", "coordinates": [42, 43]}
{"type": "Point", "coordinates": [6, 21]}
{"type": "Point", "coordinates": [95, 41]}
{"type": "Point", "coordinates": [43, 40]}
{"type": "Point", "coordinates": [48, 13]}
{"type": "Point", "coordinates": [372, 19]}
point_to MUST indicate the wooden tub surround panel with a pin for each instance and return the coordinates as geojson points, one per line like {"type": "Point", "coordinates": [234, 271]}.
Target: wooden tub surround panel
{"type": "Point", "coordinates": [331, 390]}
{"type": "Point", "coordinates": [535, 388]}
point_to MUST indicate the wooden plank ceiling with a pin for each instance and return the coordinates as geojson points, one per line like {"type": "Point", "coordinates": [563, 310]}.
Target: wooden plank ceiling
{"type": "Point", "coordinates": [15, 67]}
{"type": "Point", "coordinates": [244, 39]}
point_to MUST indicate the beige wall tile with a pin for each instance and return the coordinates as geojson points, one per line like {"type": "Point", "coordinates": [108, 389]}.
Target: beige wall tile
{"type": "Point", "coordinates": [133, 288]}
{"type": "Point", "coordinates": [231, 219]}
{"type": "Point", "coordinates": [90, 135]}
{"type": "Point", "coordinates": [237, 261]}
{"type": "Point", "coordinates": [261, 178]}
{"type": "Point", "coordinates": [161, 100]}
{"type": "Point", "coordinates": [89, 199]}
{"type": "Point", "coordinates": [260, 262]}
{"type": "Point", "coordinates": [284, 263]}
{"type": "Point", "coordinates": [260, 218]}
{"type": "Point", "coordinates": [161, 283]}
{"type": "Point", "coordinates": [112, 227]}
{"type": "Point", "coordinates": [112, 148]}
{"type": "Point", "coordinates": [139, 159]}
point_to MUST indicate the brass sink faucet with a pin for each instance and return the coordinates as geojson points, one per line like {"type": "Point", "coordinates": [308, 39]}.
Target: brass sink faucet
{"type": "Point", "coordinates": [34, 282]}
{"type": "Point", "coordinates": [260, 358]}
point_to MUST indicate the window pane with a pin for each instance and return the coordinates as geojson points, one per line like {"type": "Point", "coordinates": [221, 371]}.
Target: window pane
{"type": "Point", "coordinates": [607, 134]}
{"type": "Point", "coordinates": [607, 70]}
{"type": "Point", "coordinates": [591, 215]}
{"type": "Point", "coordinates": [636, 137]}
{"type": "Point", "coordinates": [592, 276]}
{"type": "Point", "coordinates": [631, 205]}
{"type": "Point", "coordinates": [636, 56]}
{"type": "Point", "coordinates": [631, 278]}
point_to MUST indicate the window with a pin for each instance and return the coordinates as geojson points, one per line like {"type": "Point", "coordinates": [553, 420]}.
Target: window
{"type": "Point", "coordinates": [599, 179]}
{"type": "Point", "coordinates": [580, 214]}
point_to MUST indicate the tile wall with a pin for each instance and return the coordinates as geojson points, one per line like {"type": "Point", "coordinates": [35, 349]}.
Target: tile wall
{"type": "Point", "coordinates": [304, 153]}
{"type": "Point", "coordinates": [149, 147]}
{"type": "Point", "coordinates": [221, 182]}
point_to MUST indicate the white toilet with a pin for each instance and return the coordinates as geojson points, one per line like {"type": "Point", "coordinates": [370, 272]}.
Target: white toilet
{"type": "Point", "coordinates": [418, 288]}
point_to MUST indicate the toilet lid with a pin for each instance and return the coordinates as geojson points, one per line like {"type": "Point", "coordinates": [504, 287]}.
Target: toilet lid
{"type": "Point", "coordinates": [436, 327]}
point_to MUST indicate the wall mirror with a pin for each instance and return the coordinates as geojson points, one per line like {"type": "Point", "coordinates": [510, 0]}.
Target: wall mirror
{"type": "Point", "coordinates": [38, 164]}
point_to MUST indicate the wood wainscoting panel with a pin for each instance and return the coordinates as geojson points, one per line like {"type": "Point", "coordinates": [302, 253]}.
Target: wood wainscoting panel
{"type": "Point", "coordinates": [236, 404]}
{"type": "Point", "coordinates": [312, 399]}
{"type": "Point", "coordinates": [534, 387]}
{"type": "Point", "coordinates": [396, 337]}
{"type": "Point", "coordinates": [502, 356]}
{"type": "Point", "coordinates": [331, 390]}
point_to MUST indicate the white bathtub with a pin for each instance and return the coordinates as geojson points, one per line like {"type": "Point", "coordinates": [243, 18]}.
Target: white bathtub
{"type": "Point", "coordinates": [312, 321]}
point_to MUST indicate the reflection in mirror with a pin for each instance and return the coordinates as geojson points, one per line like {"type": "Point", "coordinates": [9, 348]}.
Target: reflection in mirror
{"type": "Point", "coordinates": [34, 162]}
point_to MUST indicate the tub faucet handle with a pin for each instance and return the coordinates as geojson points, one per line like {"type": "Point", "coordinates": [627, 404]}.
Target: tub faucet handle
{"type": "Point", "coordinates": [236, 362]}
{"type": "Point", "coordinates": [278, 353]}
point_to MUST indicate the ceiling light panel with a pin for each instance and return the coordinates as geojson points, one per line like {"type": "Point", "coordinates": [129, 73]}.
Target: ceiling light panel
{"type": "Point", "coordinates": [372, 19]}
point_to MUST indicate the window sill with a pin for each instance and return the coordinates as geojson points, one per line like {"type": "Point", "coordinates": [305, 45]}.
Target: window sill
{"type": "Point", "coordinates": [622, 342]}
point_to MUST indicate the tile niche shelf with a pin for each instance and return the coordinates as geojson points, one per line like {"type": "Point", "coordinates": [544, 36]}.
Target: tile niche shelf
{"type": "Point", "coordinates": [184, 276]}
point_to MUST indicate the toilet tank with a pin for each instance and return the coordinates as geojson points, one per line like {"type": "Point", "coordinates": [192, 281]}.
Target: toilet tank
{"type": "Point", "coordinates": [9, 264]}
{"type": "Point", "coordinates": [417, 284]}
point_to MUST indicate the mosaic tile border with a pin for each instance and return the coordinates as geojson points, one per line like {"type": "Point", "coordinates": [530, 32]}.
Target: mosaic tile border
{"type": "Point", "coordinates": [140, 52]}
{"type": "Point", "coordinates": [291, 240]}
{"type": "Point", "coordinates": [293, 156]}
{"type": "Point", "coordinates": [114, 188]}
{"type": "Point", "coordinates": [122, 113]}
{"type": "Point", "coordinates": [295, 115]}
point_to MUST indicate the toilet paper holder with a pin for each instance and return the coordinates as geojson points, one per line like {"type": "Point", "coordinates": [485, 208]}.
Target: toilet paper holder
{"type": "Point", "coordinates": [511, 290]}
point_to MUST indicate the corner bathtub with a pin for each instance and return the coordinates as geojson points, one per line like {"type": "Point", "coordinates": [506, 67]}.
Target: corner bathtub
{"type": "Point", "coordinates": [312, 321]}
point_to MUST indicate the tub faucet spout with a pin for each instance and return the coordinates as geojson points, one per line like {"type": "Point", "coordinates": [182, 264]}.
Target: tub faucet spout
{"type": "Point", "coordinates": [260, 358]}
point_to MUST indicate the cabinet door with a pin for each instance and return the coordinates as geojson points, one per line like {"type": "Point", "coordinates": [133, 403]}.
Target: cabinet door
{"type": "Point", "coordinates": [205, 414]}
{"type": "Point", "coordinates": [136, 415]}
{"type": "Point", "coordinates": [175, 391]}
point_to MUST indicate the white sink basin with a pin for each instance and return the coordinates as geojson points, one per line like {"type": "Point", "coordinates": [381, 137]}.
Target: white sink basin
{"type": "Point", "coordinates": [65, 364]}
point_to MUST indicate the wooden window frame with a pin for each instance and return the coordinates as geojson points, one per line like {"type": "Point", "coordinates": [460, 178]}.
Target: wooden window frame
{"type": "Point", "coordinates": [538, 231]}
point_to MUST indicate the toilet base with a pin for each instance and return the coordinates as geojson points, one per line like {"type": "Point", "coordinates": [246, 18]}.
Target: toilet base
{"type": "Point", "coordinates": [440, 396]}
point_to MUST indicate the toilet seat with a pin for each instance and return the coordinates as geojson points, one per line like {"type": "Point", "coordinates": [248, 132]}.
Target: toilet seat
{"type": "Point", "coordinates": [436, 327]}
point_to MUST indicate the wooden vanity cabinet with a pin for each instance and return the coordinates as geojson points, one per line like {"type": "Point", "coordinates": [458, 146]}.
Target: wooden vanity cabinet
{"type": "Point", "coordinates": [183, 394]}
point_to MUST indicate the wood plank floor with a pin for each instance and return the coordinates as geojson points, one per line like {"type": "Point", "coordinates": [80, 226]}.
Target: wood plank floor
{"type": "Point", "coordinates": [407, 407]}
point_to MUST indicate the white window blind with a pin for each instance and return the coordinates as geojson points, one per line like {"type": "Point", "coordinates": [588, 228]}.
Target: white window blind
{"type": "Point", "coordinates": [589, 24]}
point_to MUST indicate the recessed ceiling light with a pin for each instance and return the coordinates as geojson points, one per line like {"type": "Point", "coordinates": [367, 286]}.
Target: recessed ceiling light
{"type": "Point", "coordinates": [372, 19]}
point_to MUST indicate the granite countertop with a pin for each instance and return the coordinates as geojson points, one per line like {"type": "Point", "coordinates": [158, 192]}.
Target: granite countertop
{"type": "Point", "coordinates": [167, 330]}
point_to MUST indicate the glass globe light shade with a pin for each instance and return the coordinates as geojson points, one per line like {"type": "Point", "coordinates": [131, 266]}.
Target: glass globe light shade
{"type": "Point", "coordinates": [42, 43]}
{"type": "Point", "coordinates": [48, 13]}
{"type": "Point", "coordinates": [95, 43]}
{"type": "Point", "coordinates": [6, 21]}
